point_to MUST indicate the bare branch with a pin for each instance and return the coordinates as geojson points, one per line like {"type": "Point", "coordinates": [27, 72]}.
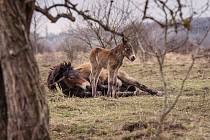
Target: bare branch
{"type": "Point", "coordinates": [109, 12]}
{"type": "Point", "coordinates": [88, 17]}
{"type": "Point", "coordinates": [180, 92]}
{"type": "Point", "coordinates": [52, 18]}
{"type": "Point", "coordinates": [73, 7]}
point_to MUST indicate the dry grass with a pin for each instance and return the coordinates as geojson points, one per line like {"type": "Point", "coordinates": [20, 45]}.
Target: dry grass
{"type": "Point", "coordinates": [134, 117]}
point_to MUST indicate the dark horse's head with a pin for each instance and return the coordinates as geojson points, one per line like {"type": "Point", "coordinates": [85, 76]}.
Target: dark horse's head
{"type": "Point", "coordinates": [66, 77]}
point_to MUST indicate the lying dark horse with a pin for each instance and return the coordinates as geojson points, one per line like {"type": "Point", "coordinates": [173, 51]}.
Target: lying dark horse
{"type": "Point", "coordinates": [76, 82]}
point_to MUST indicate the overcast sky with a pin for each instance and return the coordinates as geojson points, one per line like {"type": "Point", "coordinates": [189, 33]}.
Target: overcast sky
{"type": "Point", "coordinates": [63, 25]}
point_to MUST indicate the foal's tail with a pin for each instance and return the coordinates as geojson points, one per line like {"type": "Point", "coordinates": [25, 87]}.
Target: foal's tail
{"type": "Point", "coordinates": [125, 78]}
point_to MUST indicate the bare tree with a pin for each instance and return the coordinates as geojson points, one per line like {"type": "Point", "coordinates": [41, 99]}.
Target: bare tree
{"type": "Point", "coordinates": [35, 37]}
{"type": "Point", "coordinates": [83, 34]}
{"type": "Point", "coordinates": [24, 111]}
{"type": "Point", "coordinates": [174, 22]}
{"type": "Point", "coordinates": [113, 14]}
{"type": "Point", "coordinates": [70, 49]}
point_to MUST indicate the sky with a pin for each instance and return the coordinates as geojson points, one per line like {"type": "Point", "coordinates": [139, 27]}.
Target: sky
{"type": "Point", "coordinates": [64, 25]}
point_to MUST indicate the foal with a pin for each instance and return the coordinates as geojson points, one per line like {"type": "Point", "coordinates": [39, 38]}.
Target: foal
{"type": "Point", "coordinates": [111, 60]}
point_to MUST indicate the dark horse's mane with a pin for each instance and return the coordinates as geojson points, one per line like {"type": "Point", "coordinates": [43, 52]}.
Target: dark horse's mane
{"type": "Point", "coordinates": [56, 73]}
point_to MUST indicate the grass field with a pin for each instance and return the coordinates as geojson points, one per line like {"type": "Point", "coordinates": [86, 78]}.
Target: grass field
{"type": "Point", "coordinates": [134, 117]}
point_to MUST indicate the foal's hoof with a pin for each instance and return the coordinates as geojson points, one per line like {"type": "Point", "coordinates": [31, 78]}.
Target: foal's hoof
{"type": "Point", "coordinates": [99, 93]}
{"type": "Point", "coordinates": [115, 96]}
{"type": "Point", "coordinates": [94, 95]}
{"type": "Point", "coordinates": [109, 95]}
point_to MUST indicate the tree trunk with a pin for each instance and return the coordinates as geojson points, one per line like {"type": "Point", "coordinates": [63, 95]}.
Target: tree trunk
{"type": "Point", "coordinates": [25, 107]}
{"type": "Point", "coordinates": [3, 108]}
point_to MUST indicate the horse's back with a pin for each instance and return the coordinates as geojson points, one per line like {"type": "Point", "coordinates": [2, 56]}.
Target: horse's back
{"type": "Point", "coordinates": [99, 57]}
{"type": "Point", "coordinates": [98, 50]}
{"type": "Point", "coordinates": [84, 70]}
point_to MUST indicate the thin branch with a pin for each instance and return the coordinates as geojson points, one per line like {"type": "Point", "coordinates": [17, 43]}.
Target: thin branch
{"type": "Point", "coordinates": [73, 7]}
{"type": "Point", "coordinates": [52, 18]}
{"type": "Point", "coordinates": [104, 26]}
{"type": "Point", "coordinates": [109, 12]}
{"type": "Point", "coordinates": [180, 92]}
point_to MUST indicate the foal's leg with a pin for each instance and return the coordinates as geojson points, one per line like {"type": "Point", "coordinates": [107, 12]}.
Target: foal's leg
{"type": "Point", "coordinates": [110, 82]}
{"type": "Point", "coordinates": [114, 88]}
{"type": "Point", "coordinates": [93, 80]}
{"type": "Point", "coordinates": [98, 71]}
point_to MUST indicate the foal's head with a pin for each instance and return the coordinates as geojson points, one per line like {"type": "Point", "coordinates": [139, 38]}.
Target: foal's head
{"type": "Point", "coordinates": [128, 50]}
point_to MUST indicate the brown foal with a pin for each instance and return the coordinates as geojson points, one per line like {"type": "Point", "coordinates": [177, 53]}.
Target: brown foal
{"type": "Point", "coordinates": [111, 60]}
